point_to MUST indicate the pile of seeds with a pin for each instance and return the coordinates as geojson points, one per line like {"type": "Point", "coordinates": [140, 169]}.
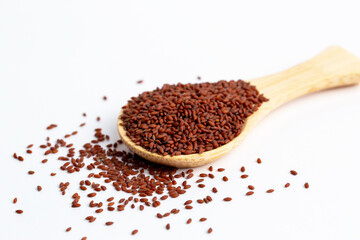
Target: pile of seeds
{"type": "Point", "coordinates": [140, 184]}
{"type": "Point", "coordinates": [190, 118]}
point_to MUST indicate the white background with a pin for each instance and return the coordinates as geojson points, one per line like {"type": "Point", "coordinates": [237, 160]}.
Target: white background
{"type": "Point", "coordinates": [58, 58]}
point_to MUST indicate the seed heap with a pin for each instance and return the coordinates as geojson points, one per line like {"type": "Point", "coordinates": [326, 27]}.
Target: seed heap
{"type": "Point", "coordinates": [190, 118]}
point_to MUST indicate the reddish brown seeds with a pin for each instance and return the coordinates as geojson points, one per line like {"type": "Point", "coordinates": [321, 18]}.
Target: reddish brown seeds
{"type": "Point", "coordinates": [39, 188]}
{"type": "Point", "coordinates": [306, 185]}
{"type": "Point", "coordinates": [258, 161]}
{"type": "Point", "coordinates": [293, 172]}
{"type": "Point", "coordinates": [227, 199]}
{"type": "Point", "coordinates": [105, 98]}
{"type": "Point", "coordinates": [210, 230]}
{"type": "Point", "coordinates": [203, 219]}
{"type": "Point", "coordinates": [83, 238]}
{"type": "Point", "coordinates": [221, 169]}
{"type": "Point", "coordinates": [31, 172]}
{"type": "Point", "coordinates": [20, 158]}
{"type": "Point", "coordinates": [242, 169]}
{"type": "Point", "coordinates": [287, 185]}
{"type": "Point", "coordinates": [270, 191]}
{"type": "Point", "coordinates": [189, 221]}
{"type": "Point", "coordinates": [83, 124]}
{"type": "Point", "coordinates": [52, 174]}
{"type": "Point", "coordinates": [134, 232]}
{"type": "Point", "coordinates": [19, 211]}
{"type": "Point", "coordinates": [168, 226]}
{"type": "Point", "coordinates": [249, 193]}
{"type": "Point", "coordinates": [180, 134]}
{"type": "Point", "coordinates": [251, 187]}
{"type": "Point", "coordinates": [188, 202]}
{"type": "Point", "coordinates": [14, 200]}
{"type": "Point", "coordinates": [225, 179]}
{"type": "Point", "coordinates": [44, 161]}
{"type": "Point", "coordinates": [109, 223]}
{"type": "Point", "coordinates": [188, 207]}
{"type": "Point", "coordinates": [211, 168]}
{"type": "Point", "coordinates": [28, 151]}
{"type": "Point", "coordinates": [51, 126]}
{"type": "Point", "coordinates": [98, 119]}
{"type": "Point", "coordinates": [214, 190]}
{"type": "Point", "coordinates": [68, 229]}
{"type": "Point", "coordinates": [140, 81]}
{"type": "Point", "coordinates": [91, 195]}
{"type": "Point", "coordinates": [15, 156]}
{"type": "Point", "coordinates": [244, 176]}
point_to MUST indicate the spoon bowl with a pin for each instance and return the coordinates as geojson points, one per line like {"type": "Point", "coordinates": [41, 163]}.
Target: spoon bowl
{"type": "Point", "coordinates": [334, 67]}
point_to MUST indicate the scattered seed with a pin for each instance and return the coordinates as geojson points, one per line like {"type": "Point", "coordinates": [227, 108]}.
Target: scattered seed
{"type": "Point", "coordinates": [19, 211]}
{"type": "Point", "coordinates": [227, 199]}
{"type": "Point", "coordinates": [168, 226]}
{"type": "Point", "coordinates": [189, 221]}
{"type": "Point", "coordinates": [306, 185]}
{"type": "Point", "coordinates": [31, 172]}
{"type": "Point", "coordinates": [39, 188]}
{"type": "Point", "coordinates": [68, 229]}
{"type": "Point", "coordinates": [15, 200]}
{"type": "Point", "coordinates": [210, 230]}
{"type": "Point", "coordinates": [134, 232]}
{"type": "Point", "coordinates": [203, 219]}
{"type": "Point", "coordinates": [109, 223]}
{"type": "Point", "coordinates": [251, 187]}
{"type": "Point", "coordinates": [258, 161]}
{"type": "Point", "coordinates": [270, 191]}
{"type": "Point", "coordinates": [244, 176]}
{"type": "Point", "coordinates": [249, 193]}
{"type": "Point", "coordinates": [293, 172]}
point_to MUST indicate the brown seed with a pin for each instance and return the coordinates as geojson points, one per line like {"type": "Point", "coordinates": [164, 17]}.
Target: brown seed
{"type": "Point", "coordinates": [188, 202]}
{"type": "Point", "coordinates": [31, 172]}
{"type": "Point", "coordinates": [242, 169]}
{"type": "Point", "coordinates": [225, 179]}
{"type": "Point", "coordinates": [109, 223]}
{"type": "Point", "coordinates": [201, 185]}
{"type": "Point", "coordinates": [287, 185]}
{"type": "Point", "coordinates": [159, 215]}
{"type": "Point", "coordinates": [214, 190]}
{"type": "Point", "coordinates": [221, 169]}
{"type": "Point", "coordinates": [306, 185]}
{"type": "Point", "coordinates": [39, 188]}
{"type": "Point", "coordinates": [251, 187]}
{"type": "Point", "coordinates": [91, 195]}
{"type": "Point", "coordinates": [211, 168]}
{"type": "Point", "coordinates": [227, 199]}
{"type": "Point", "coordinates": [249, 193]}
{"type": "Point", "coordinates": [83, 238]}
{"type": "Point", "coordinates": [168, 226]}
{"type": "Point", "coordinates": [19, 211]}
{"type": "Point", "coordinates": [21, 158]}
{"type": "Point", "coordinates": [44, 161]}
{"type": "Point", "coordinates": [68, 229]}
{"type": "Point", "coordinates": [258, 161]}
{"type": "Point", "coordinates": [140, 81]}
{"type": "Point", "coordinates": [51, 126]}
{"type": "Point", "coordinates": [15, 200]}
{"type": "Point", "coordinates": [104, 98]}
{"type": "Point", "coordinates": [203, 219]}
{"type": "Point", "coordinates": [270, 191]}
{"type": "Point", "coordinates": [293, 172]}
{"type": "Point", "coordinates": [210, 230]}
{"type": "Point", "coordinates": [188, 207]}
{"type": "Point", "coordinates": [98, 119]}
{"type": "Point", "coordinates": [28, 151]}
{"type": "Point", "coordinates": [99, 210]}
{"type": "Point", "coordinates": [52, 174]}
{"type": "Point", "coordinates": [134, 232]}
{"type": "Point", "coordinates": [244, 176]}
{"type": "Point", "coordinates": [189, 221]}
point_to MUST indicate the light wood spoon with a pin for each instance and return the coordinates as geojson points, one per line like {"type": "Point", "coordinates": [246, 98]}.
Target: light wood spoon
{"type": "Point", "coordinates": [334, 67]}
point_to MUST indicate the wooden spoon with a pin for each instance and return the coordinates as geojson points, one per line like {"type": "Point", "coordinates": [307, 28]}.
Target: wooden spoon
{"type": "Point", "coordinates": [334, 67]}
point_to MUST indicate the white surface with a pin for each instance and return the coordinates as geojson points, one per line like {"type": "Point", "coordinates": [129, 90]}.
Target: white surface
{"type": "Point", "coordinates": [58, 58]}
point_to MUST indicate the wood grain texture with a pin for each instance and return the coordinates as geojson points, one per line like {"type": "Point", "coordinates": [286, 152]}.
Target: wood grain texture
{"type": "Point", "coordinates": [334, 67]}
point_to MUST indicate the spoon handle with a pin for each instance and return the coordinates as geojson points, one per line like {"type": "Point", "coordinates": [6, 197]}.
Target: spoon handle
{"type": "Point", "coordinates": [334, 67]}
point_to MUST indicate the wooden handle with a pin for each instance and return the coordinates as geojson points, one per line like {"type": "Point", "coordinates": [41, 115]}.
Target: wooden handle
{"type": "Point", "coordinates": [334, 67]}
